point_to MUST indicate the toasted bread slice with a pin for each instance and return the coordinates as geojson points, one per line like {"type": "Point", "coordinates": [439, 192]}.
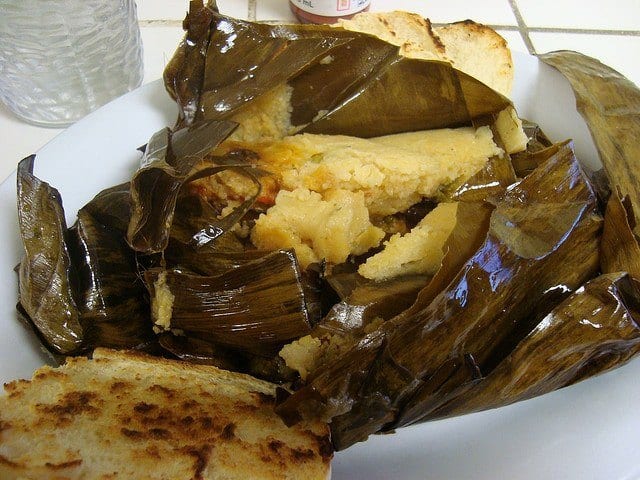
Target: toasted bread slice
{"type": "Point", "coordinates": [473, 48]}
{"type": "Point", "coordinates": [412, 33]}
{"type": "Point", "coordinates": [479, 51]}
{"type": "Point", "coordinates": [125, 415]}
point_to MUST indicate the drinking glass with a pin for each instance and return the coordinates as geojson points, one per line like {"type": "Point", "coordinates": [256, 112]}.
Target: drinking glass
{"type": "Point", "coordinates": [61, 59]}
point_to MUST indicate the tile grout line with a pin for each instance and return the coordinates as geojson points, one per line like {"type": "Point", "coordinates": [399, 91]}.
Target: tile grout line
{"type": "Point", "coordinates": [583, 31]}
{"type": "Point", "coordinates": [157, 22]}
{"type": "Point", "coordinates": [160, 23]}
{"type": "Point", "coordinates": [514, 28]}
{"type": "Point", "coordinates": [522, 27]}
{"type": "Point", "coordinates": [586, 31]}
{"type": "Point", "coordinates": [251, 13]}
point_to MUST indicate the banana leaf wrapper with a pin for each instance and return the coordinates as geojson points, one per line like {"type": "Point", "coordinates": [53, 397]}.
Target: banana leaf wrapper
{"type": "Point", "coordinates": [101, 273]}
{"type": "Point", "coordinates": [168, 163]}
{"type": "Point", "coordinates": [468, 235]}
{"type": "Point", "coordinates": [46, 294]}
{"type": "Point", "coordinates": [110, 294]}
{"type": "Point", "coordinates": [492, 179]}
{"type": "Point", "coordinates": [189, 60]}
{"type": "Point", "coordinates": [201, 224]}
{"type": "Point", "coordinates": [197, 223]}
{"type": "Point", "coordinates": [600, 321]}
{"type": "Point", "coordinates": [368, 300]}
{"type": "Point", "coordinates": [342, 82]}
{"type": "Point", "coordinates": [527, 161]}
{"type": "Point", "coordinates": [206, 261]}
{"type": "Point", "coordinates": [85, 287]}
{"type": "Point", "coordinates": [610, 105]}
{"type": "Point", "coordinates": [199, 237]}
{"type": "Point", "coordinates": [256, 307]}
{"type": "Point", "coordinates": [543, 234]}
{"type": "Point", "coordinates": [619, 249]}
{"type": "Point", "coordinates": [194, 350]}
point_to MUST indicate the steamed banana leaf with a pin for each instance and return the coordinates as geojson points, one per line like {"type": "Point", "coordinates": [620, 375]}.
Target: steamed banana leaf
{"type": "Point", "coordinates": [86, 279]}
{"type": "Point", "coordinates": [46, 270]}
{"type": "Point", "coordinates": [167, 164]}
{"type": "Point", "coordinates": [256, 307]}
{"type": "Point", "coordinates": [112, 207]}
{"type": "Point", "coordinates": [610, 105]}
{"type": "Point", "coordinates": [194, 350]}
{"type": "Point", "coordinates": [109, 292]}
{"type": "Point", "coordinates": [209, 261]}
{"type": "Point", "coordinates": [491, 180]}
{"type": "Point", "coordinates": [620, 251]}
{"type": "Point", "coordinates": [342, 82]}
{"type": "Point", "coordinates": [526, 161]}
{"type": "Point", "coordinates": [594, 329]}
{"type": "Point", "coordinates": [200, 224]}
{"type": "Point", "coordinates": [368, 300]}
{"type": "Point", "coordinates": [497, 174]}
{"type": "Point", "coordinates": [183, 76]}
{"type": "Point", "coordinates": [544, 233]}
{"type": "Point", "coordinates": [472, 225]}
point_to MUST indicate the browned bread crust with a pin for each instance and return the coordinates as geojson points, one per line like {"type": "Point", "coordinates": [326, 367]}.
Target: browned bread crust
{"type": "Point", "coordinates": [473, 48]}
{"type": "Point", "coordinates": [125, 415]}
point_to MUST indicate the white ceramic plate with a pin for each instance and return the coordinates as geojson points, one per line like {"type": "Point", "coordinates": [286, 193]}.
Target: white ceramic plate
{"type": "Point", "coordinates": [588, 431]}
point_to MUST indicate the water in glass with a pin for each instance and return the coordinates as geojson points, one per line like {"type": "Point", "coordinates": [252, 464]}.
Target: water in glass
{"type": "Point", "coordinates": [61, 59]}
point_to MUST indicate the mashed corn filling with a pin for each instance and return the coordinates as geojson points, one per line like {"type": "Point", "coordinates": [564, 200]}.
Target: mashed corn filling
{"type": "Point", "coordinates": [330, 227]}
{"type": "Point", "coordinates": [162, 304]}
{"type": "Point", "coordinates": [303, 355]}
{"type": "Point", "coordinates": [509, 127]}
{"type": "Point", "coordinates": [307, 353]}
{"type": "Point", "coordinates": [331, 185]}
{"type": "Point", "coordinates": [418, 251]}
{"type": "Point", "coordinates": [394, 172]}
{"type": "Point", "coordinates": [323, 190]}
{"type": "Point", "coordinates": [268, 117]}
